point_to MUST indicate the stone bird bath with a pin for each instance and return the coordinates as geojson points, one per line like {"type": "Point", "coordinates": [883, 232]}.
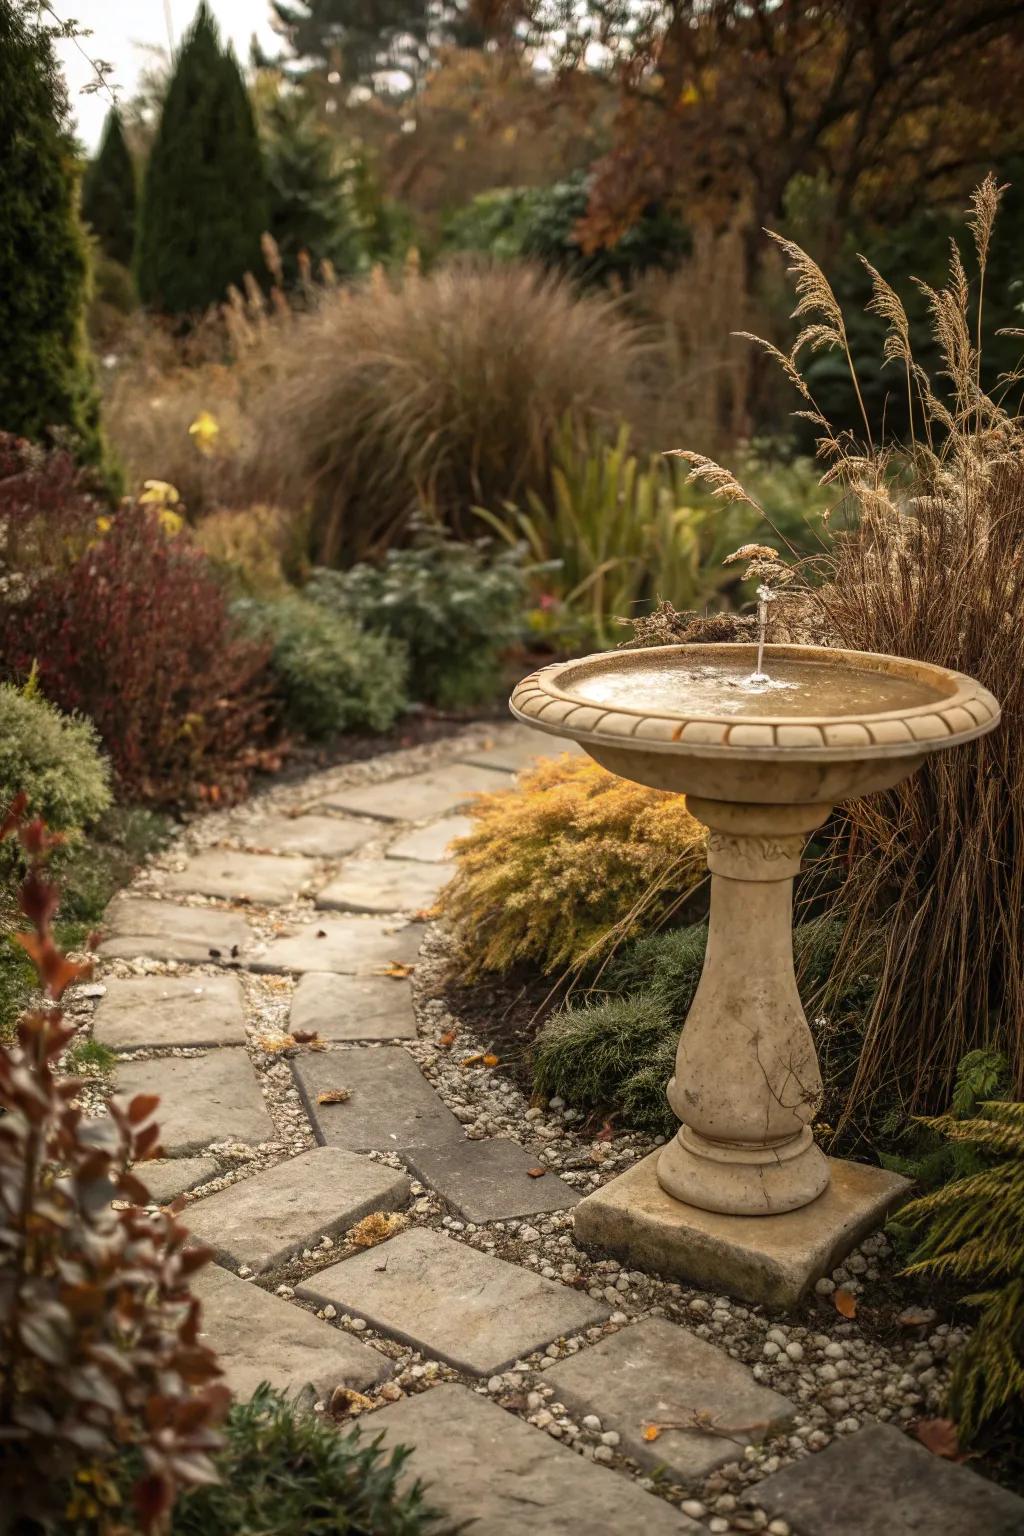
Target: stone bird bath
{"type": "Point", "coordinates": [762, 763]}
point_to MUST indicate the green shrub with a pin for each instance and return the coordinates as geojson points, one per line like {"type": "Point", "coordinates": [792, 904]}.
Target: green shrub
{"type": "Point", "coordinates": [284, 1472]}
{"type": "Point", "coordinates": [204, 202]}
{"type": "Point", "coordinates": [455, 607]}
{"type": "Point", "coordinates": [972, 1232]}
{"type": "Point", "coordinates": [46, 375]}
{"type": "Point", "coordinates": [312, 219]}
{"type": "Point", "coordinates": [568, 858]}
{"type": "Point", "coordinates": [54, 758]}
{"type": "Point", "coordinates": [542, 223]}
{"type": "Point", "coordinates": [329, 675]}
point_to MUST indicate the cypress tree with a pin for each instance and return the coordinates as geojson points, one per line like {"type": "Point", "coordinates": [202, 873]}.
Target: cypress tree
{"type": "Point", "coordinates": [204, 203]}
{"type": "Point", "coordinates": [108, 194]}
{"type": "Point", "coordinates": [46, 375]}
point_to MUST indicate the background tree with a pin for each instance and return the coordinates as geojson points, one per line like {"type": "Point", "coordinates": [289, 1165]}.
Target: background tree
{"type": "Point", "coordinates": [723, 102]}
{"type": "Point", "coordinates": [383, 45]}
{"type": "Point", "coordinates": [204, 204]}
{"type": "Point", "coordinates": [108, 193]}
{"type": "Point", "coordinates": [46, 376]}
{"type": "Point", "coordinates": [311, 203]}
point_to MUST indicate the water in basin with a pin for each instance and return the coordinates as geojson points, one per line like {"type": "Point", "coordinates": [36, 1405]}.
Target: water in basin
{"type": "Point", "coordinates": [679, 685]}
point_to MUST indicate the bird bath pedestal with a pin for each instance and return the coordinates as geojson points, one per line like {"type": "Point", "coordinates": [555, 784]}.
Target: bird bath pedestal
{"type": "Point", "coordinates": [741, 1199]}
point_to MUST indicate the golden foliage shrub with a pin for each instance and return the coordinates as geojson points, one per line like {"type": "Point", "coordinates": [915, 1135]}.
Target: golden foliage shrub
{"type": "Point", "coordinates": [563, 862]}
{"type": "Point", "coordinates": [258, 547]}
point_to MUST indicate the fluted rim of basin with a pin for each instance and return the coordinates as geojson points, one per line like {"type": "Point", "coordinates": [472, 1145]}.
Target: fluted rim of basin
{"type": "Point", "coordinates": [963, 711]}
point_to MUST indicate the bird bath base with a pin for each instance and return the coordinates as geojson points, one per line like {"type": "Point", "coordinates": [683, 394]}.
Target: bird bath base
{"type": "Point", "coordinates": [773, 1263]}
{"type": "Point", "coordinates": [741, 1199]}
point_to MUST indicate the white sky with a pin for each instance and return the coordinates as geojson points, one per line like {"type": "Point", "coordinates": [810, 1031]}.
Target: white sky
{"type": "Point", "coordinates": [119, 26]}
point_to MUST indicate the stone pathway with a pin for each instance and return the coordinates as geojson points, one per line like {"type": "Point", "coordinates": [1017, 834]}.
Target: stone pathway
{"type": "Point", "coordinates": [393, 1223]}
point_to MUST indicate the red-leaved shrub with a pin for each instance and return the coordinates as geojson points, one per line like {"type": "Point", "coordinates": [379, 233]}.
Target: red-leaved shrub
{"type": "Point", "coordinates": [101, 1361]}
{"type": "Point", "coordinates": [48, 506]}
{"type": "Point", "coordinates": [135, 632]}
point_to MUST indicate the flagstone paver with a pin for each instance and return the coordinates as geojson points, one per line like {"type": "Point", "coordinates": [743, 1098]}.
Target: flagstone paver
{"type": "Point", "coordinates": [149, 1012]}
{"type": "Point", "coordinates": [470, 1309]}
{"type": "Point", "coordinates": [322, 837]}
{"type": "Point", "coordinates": [657, 1373]}
{"type": "Point", "coordinates": [167, 1178]}
{"type": "Point", "coordinates": [431, 844]}
{"type": "Point", "coordinates": [384, 885]}
{"type": "Point", "coordinates": [262, 877]}
{"type": "Point", "coordinates": [519, 747]}
{"type": "Point", "coordinates": [421, 795]}
{"type": "Point", "coordinates": [391, 1106]}
{"type": "Point", "coordinates": [203, 1099]}
{"type": "Point", "coordinates": [349, 945]}
{"type": "Point", "coordinates": [878, 1482]}
{"type": "Point", "coordinates": [138, 928]}
{"type": "Point", "coordinates": [259, 1337]}
{"type": "Point", "coordinates": [353, 1007]}
{"type": "Point", "coordinates": [262, 1221]}
{"type": "Point", "coordinates": [491, 1180]}
{"type": "Point", "coordinates": [506, 1478]}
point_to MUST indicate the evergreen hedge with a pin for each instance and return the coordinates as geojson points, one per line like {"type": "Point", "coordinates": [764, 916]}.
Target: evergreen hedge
{"type": "Point", "coordinates": [46, 376]}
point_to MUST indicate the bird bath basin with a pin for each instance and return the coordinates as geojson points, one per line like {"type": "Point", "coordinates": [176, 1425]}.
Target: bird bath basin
{"type": "Point", "coordinates": [761, 766]}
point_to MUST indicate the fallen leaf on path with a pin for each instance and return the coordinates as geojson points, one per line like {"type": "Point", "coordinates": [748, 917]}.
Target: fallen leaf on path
{"type": "Point", "coordinates": [334, 1096]}
{"type": "Point", "coordinates": [941, 1437]}
{"type": "Point", "coordinates": [398, 969]}
{"type": "Point", "coordinates": [845, 1302]}
{"type": "Point", "coordinates": [447, 1040]}
{"type": "Point", "coordinates": [916, 1317]}
{"type": "Point", "coordinates": [652, 1431]}
{"type": "Point", "coordinates": [373, 1229]}
{"type": "Point", "coordinates": [346, 1402]}
{"type": "Point", "coordinates": [490, 1060]}
{"type": "Point", "coordinates": [275, 1044]}
{"type": "Point", "coordinates": [472, 1061]}
{"type": "Point", "coordinates": [535, 1173]}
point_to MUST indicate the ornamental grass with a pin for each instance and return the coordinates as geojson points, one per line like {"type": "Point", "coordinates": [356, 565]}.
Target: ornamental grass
{"type": "Point", "coordinates": [927, 563]}
{"type": "Point", "coordinates": [560, 866]}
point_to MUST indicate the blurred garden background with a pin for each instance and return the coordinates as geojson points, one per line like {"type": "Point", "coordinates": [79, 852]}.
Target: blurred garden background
{"type": "Point", "coordinates": [338, 382]}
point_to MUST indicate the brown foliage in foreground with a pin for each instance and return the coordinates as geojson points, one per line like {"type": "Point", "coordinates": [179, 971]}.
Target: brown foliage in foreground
{"type": "Point", "coordinates": [100, 1354]}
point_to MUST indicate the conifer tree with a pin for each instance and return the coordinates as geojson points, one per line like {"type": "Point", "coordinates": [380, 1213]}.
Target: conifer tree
{"type": "Point", "coordinates": [46, 375]}
{"type": "Point", "coordinates": [204, 204]}
{"type": "Point", "coordinates": [108, 193]}
{"type": "Point", "coordinates": [311, 207]}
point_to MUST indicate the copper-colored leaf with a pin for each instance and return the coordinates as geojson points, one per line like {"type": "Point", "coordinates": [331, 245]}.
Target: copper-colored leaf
{"type": "Point", "coordinates": [536, 1173]}
{"type": "Point", "coordinates": [845, 1302]}
{"type": "Point", "coordinates": [397, 969]}
{"type": "Point", "coordinates": [941, 1437]}
{"type": "Point", "coordinates": [490, 1060]}
{"type": "Point", "coordinates": [472, 1061]}
{"type": "Point", "coordinates": [916, 1317]}
{"type": "Point", "coordinates": [652, 1431]}
{"type": "Point", "coordinates": [142, 1106]}
{"type": "Point", "coordinates": [334, 1096]}
{"type": "Point", "coordinates": [448, 1039]}
{"type": "Point", "coordinates": [304, 1036]}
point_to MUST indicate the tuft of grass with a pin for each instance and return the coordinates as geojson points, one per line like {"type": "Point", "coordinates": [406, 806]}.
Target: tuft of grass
{"type": "Point", "coordinates": [602, 1055]}
{"type": "Point", "coordinates": [89, 1057]}
{"type": "Point", "coordinates": [286, 1472]}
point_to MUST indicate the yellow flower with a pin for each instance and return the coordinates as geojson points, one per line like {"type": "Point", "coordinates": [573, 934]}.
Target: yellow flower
{"type": "Point", "coordinates": [104, 524]}
{"type": "Point", "coordinates": [204, 431]}
{"type": "Point", "coordinates": [171, 522]}
{"type": "Point", "coordinates": [159, 493]}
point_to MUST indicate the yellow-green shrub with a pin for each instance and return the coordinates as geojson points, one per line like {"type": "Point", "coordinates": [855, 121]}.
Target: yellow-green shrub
{"type": "Point", "coordinates": [256, 547]}
{"type": "Point", "coordinates": [568, 857]}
